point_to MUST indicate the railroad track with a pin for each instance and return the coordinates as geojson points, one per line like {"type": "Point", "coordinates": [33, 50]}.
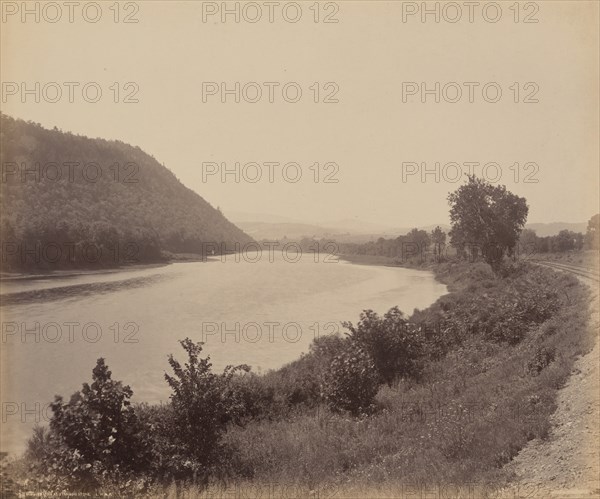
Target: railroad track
{"type": "Point", "coordinates": [573, 269]}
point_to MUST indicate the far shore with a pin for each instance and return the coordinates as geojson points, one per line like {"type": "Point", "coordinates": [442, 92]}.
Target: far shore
{"type": "Point", "coordinates": [55, 274]}
{"type": "Point", "coordinates": [73, 272]}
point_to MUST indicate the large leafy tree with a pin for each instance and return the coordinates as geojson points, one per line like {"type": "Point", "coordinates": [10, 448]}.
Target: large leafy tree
{"type": "Point", "coordinates": [487, 218]}
{"type": "Point", "coordinates": [567, 240]}
{"type": "Point", "coordinates": [420, 238]}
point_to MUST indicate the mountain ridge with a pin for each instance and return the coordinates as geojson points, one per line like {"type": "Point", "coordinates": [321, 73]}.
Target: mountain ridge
{"type": "Point", "coordinates": [64, 189]}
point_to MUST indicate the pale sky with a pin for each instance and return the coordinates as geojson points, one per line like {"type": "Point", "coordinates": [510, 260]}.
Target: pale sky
{"type": "Point", "coordinates": [369, 133]}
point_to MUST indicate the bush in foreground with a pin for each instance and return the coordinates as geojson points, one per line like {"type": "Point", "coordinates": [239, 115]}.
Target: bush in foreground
{"type": "Point", "coordinates": [202, 404]}
{"type": "Point", "coordinates": [395, 344]}
{"type": "Point", "coordinates": [351, 381]}
{"type": "Point", "coordinates": [93, 438]}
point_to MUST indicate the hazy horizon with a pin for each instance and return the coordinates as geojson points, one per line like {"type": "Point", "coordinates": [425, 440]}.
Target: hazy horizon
{"type": "Point", "coordinates": [369, 133]}
{"type": "Point", "coordinates": [238, 216]}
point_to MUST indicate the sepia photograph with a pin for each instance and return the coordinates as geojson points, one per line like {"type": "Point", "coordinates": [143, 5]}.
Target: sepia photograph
{"type": "Point", "coordinates": [300, 249]}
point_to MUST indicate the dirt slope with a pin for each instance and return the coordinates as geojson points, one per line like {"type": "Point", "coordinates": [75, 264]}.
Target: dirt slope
{"type": "Point", "coordinates": [568, 463]}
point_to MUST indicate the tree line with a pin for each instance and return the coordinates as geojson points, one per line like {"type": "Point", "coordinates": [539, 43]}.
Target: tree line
{"type": "Point", "coordinates": [486, 221]}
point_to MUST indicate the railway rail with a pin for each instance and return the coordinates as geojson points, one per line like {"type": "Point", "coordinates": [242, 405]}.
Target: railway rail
{"type": "Point", "coordinates": [573, 269]}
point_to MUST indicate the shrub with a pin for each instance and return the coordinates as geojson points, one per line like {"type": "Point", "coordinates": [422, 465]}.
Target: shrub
{"type": "Point", "coordinates": [9, 488]}
{"type": "Point", "coordinates": [39, 444]}
{"type": "Point", "coordinates": [295, 386]}
{"type": "Point", "coordinates": [166, 458]}
{"type": "Point", "coordinates": [395, 345]}
{"type": "Point", "coordinates": [202, 405]}
{"type": "Point", "coordinates": [509, 268]}
{"type": "Point", "coordinates": [254, 397]}
{"type": "Point", "coordinates": [92, 438]}
{"type": "Point", "coordinates": [99, 421]}
{"type": "Point", "coordinates": [502, 313]}
{"type": "Point", "coordinates": [518, 307]}
{"type": "Point", "coordinates": [351, 381]}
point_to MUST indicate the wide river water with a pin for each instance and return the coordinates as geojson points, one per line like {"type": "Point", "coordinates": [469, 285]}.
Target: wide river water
{"type": "Point", "coordinates": [263, 314]}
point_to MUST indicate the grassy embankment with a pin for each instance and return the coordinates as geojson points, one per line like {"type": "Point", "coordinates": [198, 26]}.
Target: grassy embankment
{"type": "Point", "coordinates": [471, 411]}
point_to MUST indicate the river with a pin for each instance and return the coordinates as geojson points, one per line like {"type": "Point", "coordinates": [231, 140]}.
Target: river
{"type": "Point", "coordinates": [264, 314]}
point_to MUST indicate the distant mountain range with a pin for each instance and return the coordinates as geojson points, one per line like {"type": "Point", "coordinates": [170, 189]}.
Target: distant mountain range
{"type": "Point", "coordinates": [265, 226]}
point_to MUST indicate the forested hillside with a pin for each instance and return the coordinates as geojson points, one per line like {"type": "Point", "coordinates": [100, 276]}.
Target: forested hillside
{"type": "Point", "coordinates": [72, 201]}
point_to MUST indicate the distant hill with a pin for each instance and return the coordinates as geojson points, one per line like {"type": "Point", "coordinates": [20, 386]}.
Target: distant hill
{"type": "Point", "coordinates": [264, 226]}
{"type": "Point", "coordinates": [133, 211]}
{"type": "Point", "coordinates": [270, 230]}
{"type": "Point", "coordinates": [297, 230]}
{"type": "Point", "coordinates": [355, 231]}
{"type": "Point", "coordinates": [551, 229]}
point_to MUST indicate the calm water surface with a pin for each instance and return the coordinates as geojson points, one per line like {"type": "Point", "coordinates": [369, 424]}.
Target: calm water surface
{"type": "Point", "coordinates": [264, 314]}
